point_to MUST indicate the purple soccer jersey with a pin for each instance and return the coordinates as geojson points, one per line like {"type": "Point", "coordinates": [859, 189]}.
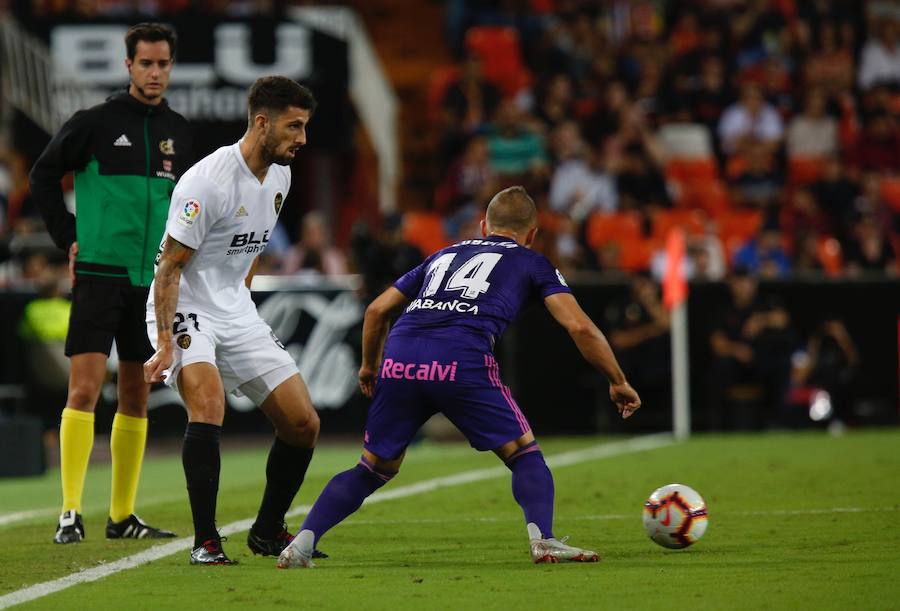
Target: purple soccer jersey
{"type": "Point", "coordinates": [438, 356]}
{"type": "Point", "coordinates": [475, 289]}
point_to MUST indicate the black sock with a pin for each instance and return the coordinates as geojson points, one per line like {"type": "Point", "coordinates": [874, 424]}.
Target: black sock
{"type": "Point", "coordinates": [201, 461]}
{"type": "Point", "coordinates": [285, 471]}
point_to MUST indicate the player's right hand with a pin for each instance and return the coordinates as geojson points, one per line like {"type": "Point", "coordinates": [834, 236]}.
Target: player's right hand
{"type": "Point", "coordinates": [625, 398]}
{"type": "Point", "coordinates": [157, 364]}
{"type": "Point", "coordinates": [367, 377]}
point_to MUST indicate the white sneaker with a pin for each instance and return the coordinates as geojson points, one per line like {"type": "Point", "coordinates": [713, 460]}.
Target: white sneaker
{"type": "Point", "coordinates": [554, 550]}
{"type": "Point", "coordinates": [294, 558]}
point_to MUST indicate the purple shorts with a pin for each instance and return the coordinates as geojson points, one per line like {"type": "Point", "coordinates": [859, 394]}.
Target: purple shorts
{"type": "Point", "coordinates": [422, 376]}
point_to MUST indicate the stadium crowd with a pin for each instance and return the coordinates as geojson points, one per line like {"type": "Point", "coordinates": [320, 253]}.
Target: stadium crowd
{"type": "Point", "coordinates": [767, 129]}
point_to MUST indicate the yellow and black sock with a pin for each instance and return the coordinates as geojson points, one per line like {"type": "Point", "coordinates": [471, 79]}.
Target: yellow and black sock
{"type": "Point", "coordinates": [126, 444]}
{"type": "Point", "coordinates": [76, 439]}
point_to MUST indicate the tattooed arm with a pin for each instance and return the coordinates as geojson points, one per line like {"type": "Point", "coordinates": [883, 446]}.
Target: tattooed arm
{"type": "Point", "coordinates": [174, 257]}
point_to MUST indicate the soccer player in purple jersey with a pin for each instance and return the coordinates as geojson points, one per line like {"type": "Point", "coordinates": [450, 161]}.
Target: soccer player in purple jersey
{"type": "Point", "coordinates": [438, 357]}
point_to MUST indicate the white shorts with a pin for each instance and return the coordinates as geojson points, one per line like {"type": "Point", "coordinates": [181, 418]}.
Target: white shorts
{"type": "Point", "coordinates": [250, 359]}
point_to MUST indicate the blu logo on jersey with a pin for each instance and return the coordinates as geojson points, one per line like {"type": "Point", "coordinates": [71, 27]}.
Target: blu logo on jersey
{"type": "Point", "coordinates": [248, 243]}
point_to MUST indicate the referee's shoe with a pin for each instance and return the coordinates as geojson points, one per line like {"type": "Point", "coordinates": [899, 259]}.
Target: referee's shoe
{"type": "Point", "coordinates": [133, 527]}
{"type": "Point", "coordinates": [70, 528]}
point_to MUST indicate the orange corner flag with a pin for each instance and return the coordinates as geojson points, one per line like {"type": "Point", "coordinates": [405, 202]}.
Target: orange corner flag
{"type": "Point", "coordinates": [674, 283]}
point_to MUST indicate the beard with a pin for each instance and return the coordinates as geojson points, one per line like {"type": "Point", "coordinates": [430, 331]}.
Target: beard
{"type": "Point", "coordinates": [270, 152]}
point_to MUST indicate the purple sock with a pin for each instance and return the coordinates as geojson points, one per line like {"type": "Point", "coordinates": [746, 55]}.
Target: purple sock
{"type": "Point", "coordinates": [532, 486]}
{"type": "Point", "coordinates": [342, 496]}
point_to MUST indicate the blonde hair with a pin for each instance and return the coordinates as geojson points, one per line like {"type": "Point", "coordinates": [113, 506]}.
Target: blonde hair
{"type": "Point", "coordinates": [512, 209]}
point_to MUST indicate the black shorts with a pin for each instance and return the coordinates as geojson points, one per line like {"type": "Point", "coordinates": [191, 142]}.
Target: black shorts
{"type": "Point", "coordinates": [102, 311]}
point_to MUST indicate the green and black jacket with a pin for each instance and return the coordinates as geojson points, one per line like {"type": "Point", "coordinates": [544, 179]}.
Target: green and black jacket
{"type": "Point", "coordinates": [126, 157]}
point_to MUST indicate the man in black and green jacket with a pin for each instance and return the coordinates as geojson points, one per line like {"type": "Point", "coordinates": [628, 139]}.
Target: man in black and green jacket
{"type": "Point", "coordinates": [126, 154]}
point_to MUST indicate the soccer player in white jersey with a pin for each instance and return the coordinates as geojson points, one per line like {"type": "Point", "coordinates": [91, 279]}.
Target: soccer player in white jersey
{"type": "Point", "coordinates": [208, 336]}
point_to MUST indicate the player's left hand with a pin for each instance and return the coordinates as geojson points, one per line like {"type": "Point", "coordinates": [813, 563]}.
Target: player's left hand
{"type": "Point", "coordinates": [625, 398]}
{"type": "Point", "coordinates": [367, 377]}
{"type": "Point", "coordinates": [158, 363]}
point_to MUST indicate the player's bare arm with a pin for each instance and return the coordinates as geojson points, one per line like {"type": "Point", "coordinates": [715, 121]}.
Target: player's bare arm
{"type": "Point", "coordinates": [173, 258]}
{"type": "Point", "coordinates": [594, 348]}
{"type": "Point", "coordinates": [375, 330]}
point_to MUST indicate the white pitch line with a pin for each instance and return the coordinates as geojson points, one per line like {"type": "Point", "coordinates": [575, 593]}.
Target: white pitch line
{"type": "Point", "coordinates": [638, 444]}
{"type": "Point", "coordinates": [19, 516]}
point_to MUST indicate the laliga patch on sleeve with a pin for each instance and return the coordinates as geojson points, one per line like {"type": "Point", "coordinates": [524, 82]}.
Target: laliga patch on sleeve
{"type": "Point", "coordinates": [188, 214]}
{"type": "Point", "coordinates": [561, 279]}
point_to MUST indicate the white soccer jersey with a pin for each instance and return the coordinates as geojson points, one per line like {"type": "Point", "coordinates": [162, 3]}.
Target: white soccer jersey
{"type": "Point", "coordinates": [220, 209]}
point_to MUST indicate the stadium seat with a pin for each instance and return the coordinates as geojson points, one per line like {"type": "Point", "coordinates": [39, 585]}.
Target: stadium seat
{"type": "Point", "coordinates": [635, 254]}
{"type": "Point", "coordinates": [805, 170]}
{"type": "Point", "coordinates": [711, 196]}
{"type": "Point", "coordinates": [692, 171]}
{"type": "Point", "coordinates": [614, 227]}
{"type": "Point", "coordinates": [425, 231]}
{"type": "Point", "coordinates": [890, 191]}
{"type": "Point", "coordinates": [693, 221]}
{"type": "Point", "coordinates": [737, 227]}
{"type": "Point", "coordinates": [501, 56]}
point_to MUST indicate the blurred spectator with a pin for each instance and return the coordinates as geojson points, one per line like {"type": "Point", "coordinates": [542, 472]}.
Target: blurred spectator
{"type": "Point", "coordinates": [468, 186]}
{"type": "Point", "coordinates": [868, 250]}
{"type": "Point", "coordinates": [639, 179]}
{"type": "Point", "coordinates": [468, 104]}
{"type": "Point", "coordinates": [812, 133]}
{"type": "Point", "coordinates": [757, 30]}
{"type": "Point", "coordinates": [382, 257]}
{"type": "Point", "coordinates": [751, 347]}
{"type": "Point", "coordinates": [834, 194]}
{"type": "Point", "coordinates": [705, 260]}
{"type": "Point", "coordinates": [43, 329]}
{"type": "Point", "coordinates": [555, 102]}
{"type": "Point", "coordinates": [515, 150]}
{"type": "Point", "coordinates": [581, 186]}
{"type": "Point", "coordinates": [759, 184]}
{"type": "Point", "coordinates": [880, 61]}
{"type": "Point", "coordinates": [315, 251]}
{"type": "Point", "coordinates": [471, 100]}
{"type": "Point", "coordinates": [607, 120]}
{"type": "Point", "coordinates": [710, 98]}
{"type": "Point", "coordinates": [804, 216]}
{"type": "Point", "coordinates": [829, 362]}
{"type": "Point", "coordinates": [764, 255]}
{"type": "Point", "coordinates": [878, 146]}
{"type": "Point", "coordinates": [829, 67]}
{"type": "Point", "coordinates": [638, 330]}
{"type": "Point", "coordinates": [749, 122]}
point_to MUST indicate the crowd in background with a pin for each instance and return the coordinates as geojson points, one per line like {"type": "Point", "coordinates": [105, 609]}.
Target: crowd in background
{"type": "Point", "coordinates": [767, 129]}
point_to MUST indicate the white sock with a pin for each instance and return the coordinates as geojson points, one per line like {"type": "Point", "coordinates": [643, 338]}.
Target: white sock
{"type": "Point", "coordinates": [305, 541]}
{"type": "Point", "coordinates": [533, 531]}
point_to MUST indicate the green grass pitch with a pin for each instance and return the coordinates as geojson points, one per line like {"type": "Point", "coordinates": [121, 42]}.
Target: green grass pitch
{"type": "Point", "coordinates": [797, 521]}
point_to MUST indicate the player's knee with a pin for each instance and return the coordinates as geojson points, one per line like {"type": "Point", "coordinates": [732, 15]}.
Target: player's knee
{"type": "Point", "coordinates": [82, 396]}
{"type": "Point", "coordinates": [302, 430]}
{"type": "Point", "coordinates": [207, 409]}
{"type": "Point", "coordinates": [532, 451]}
{"type": "Point", "coordinates": [381, 471]}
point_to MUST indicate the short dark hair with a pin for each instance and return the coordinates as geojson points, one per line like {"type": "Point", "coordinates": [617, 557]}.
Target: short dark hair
{"type": "Point", "coordinates": [278, 93]}
{"type": "Point", "coordinates": [150, 32]}
{"type": "Point", "coordinates": [512, 209]}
